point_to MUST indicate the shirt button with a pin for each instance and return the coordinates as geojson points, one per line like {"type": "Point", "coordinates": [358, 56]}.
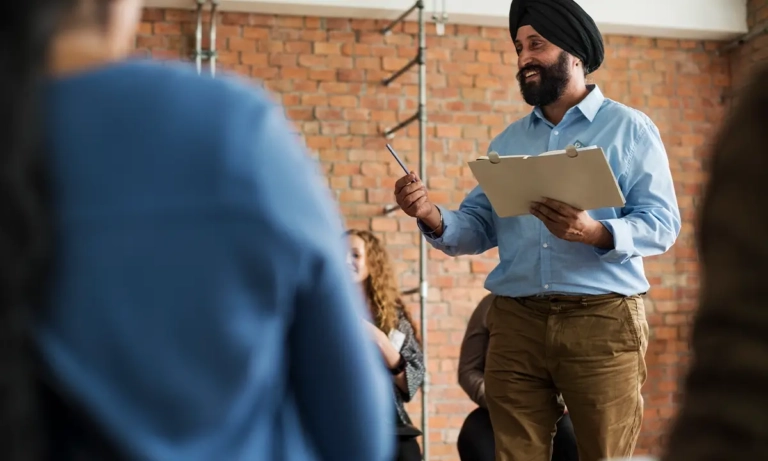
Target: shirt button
{"type": "Point", "coordinates": [545, 245]}
{"type": "Point", "coordinates": [546, 286]}
{"type": "Point", "coordinates": [556, 132]}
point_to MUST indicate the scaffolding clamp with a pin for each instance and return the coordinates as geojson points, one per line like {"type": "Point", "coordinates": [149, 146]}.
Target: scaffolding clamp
{"type": "Point", "coordinates": [440, 20]}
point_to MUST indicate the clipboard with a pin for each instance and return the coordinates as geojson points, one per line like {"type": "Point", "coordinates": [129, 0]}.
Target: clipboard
{"type": "Point", "coordinates": [579, 177]}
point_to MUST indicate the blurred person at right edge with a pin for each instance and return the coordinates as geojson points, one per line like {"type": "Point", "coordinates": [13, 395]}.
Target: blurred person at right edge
{"type": "Point", "coordinates": [568, 317]}
{"type": "Point", "coordinates": [724, 413]}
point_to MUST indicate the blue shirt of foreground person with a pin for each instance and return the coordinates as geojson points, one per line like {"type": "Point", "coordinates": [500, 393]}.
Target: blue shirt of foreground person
{"type": "Point", "coordinates": [558, 248]}
{"type": "Point", "coordinates": [201, 307]}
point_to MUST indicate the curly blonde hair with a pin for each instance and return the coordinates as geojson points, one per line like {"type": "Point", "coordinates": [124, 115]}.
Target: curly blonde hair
{"type": "Point", "coordinates": [380, 287]}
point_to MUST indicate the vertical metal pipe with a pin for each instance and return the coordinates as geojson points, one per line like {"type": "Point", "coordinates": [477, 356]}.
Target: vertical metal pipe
{"type": "Point", "coordinates": [199, 37]}
{"type": "Point", "coordinates": [423, 283]}
{"type": "Point", "coordinates": [212, 56]}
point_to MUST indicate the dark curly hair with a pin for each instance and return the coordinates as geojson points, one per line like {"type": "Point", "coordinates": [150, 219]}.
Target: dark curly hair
{"type": "Point", "coordinates": [380, 288]}
{"type": "Point", "coordinates": [27, 31]}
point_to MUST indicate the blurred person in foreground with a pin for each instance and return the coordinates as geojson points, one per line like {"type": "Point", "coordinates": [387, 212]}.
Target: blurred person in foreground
{"type": "Point", "coordinates": [392, 330]}
{"type": "Point", "coordinates": [173, 286]}
{"type": "Point", "coordinates": [724, 413]}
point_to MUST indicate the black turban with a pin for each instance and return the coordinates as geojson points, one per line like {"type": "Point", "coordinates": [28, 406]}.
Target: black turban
{"type": "Point", "coordinates": [565, 24]}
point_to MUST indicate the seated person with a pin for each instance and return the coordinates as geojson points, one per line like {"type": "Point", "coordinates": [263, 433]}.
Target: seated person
{"type": "Point", "coordinates": [476, 441]}
{"type": "Point", "coordinates": [393, 331]}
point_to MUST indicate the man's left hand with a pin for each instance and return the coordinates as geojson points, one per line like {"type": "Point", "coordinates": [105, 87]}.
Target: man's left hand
{"type": "Point", "coordinates": [571, 224]}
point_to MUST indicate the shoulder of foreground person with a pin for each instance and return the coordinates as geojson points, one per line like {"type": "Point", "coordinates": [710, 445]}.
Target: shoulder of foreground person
{"type": "Point", "coordinates": [176, 98]}
{"type": "Point", "coordinates": [228, 130]}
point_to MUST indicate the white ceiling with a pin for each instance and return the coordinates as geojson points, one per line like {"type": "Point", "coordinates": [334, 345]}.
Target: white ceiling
{"type": "Point", "coordinates": [684, 19]}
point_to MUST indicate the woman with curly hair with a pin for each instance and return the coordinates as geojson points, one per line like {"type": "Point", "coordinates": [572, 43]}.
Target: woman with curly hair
{"type": "Point", "coordinates": [392, 329]}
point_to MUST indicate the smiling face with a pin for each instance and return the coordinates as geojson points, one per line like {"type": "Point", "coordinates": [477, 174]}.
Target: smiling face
{"type": "Point", "coordinates": [545, 69]}
{"type": "Point", "coordinates": [356, 259]}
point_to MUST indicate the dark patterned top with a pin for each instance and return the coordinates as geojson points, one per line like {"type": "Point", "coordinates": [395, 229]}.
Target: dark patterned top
{"type": "Point", "coordinates": [414, 369]}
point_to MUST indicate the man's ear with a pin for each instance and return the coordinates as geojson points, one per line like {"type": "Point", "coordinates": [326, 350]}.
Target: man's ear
{"type": "Point", "coordinates": [578, 63]}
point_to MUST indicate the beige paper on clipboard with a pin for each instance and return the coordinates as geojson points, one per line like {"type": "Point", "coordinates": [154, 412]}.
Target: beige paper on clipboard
{"type": "Point", "coordinates": [579, 177]}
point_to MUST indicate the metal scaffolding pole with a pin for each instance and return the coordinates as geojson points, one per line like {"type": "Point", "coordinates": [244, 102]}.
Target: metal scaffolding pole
{"type": "Point", "coordinates": [421, 117]}
{"type": "Point", "coordinates": [423, 284]}
{"type": "Point", "coordinates": [210, 54]}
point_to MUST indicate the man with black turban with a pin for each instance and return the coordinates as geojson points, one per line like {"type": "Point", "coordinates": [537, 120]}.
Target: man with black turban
{"type": "Point", "coordinates": [568, 315]}
{"type": "Point", "coordinates": [562, 23]}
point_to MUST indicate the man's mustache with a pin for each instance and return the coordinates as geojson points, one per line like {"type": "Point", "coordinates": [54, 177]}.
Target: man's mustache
{"type": "Point", "coordinates": [529, 68]}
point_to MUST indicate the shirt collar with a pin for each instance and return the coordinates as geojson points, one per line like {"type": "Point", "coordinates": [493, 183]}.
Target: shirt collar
{"type": "Point", "coordinates": [588, 106]}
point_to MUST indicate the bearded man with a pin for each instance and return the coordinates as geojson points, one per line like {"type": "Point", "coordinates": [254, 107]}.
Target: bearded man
{"type": "Point", "coordinates": [568, 315]}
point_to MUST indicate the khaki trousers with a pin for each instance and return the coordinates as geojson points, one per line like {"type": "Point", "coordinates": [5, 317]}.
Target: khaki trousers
{"type": "Point", "coordinates": [589, 348]}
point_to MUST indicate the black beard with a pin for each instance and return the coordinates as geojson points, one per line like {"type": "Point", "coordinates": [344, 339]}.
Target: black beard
{"type": "Point", "coordinates": [552, 82]}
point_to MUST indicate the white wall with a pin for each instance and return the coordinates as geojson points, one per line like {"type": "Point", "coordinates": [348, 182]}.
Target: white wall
{"type": "Point", "coordinates": [687, 19]}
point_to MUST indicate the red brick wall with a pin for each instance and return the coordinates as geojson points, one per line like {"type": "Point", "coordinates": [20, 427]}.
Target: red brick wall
{"type": "Point", "coordinates": [327, 73]}
{"type": "Point", "coordinates": [744, 57]}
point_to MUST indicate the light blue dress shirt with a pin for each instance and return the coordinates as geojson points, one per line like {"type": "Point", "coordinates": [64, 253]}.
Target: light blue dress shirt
{"type": "Point", "coordinates": [532, 260]}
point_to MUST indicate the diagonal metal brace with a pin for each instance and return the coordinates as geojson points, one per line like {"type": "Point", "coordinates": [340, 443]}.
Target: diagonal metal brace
{"type": "Point", "coordinates": [400, 72]}
{"type": "Point", "coordinates": [401, 18]}
{"type": "Point", "coordinates": [402, 125]}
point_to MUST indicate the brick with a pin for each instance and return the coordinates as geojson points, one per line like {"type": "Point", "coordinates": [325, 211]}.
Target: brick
{"type": "Point", "coordinates": [255, 59]}
{"type": "Point", "coordinates": [292, 22]}
{"type": "Point", "coordinates": [380, 196]}
{"type": "Point", "coordinates": [291, 73]}
{"type": "Point", "coordinates": [350, 75]}
{"type": "Point", "coordinates": [255, 33]}
{"type": "Point", "coordinates": [144, 28]}
{"type": "Point", "coordinates": [393, 64]}
{"type": "Point", "coordinates": [164, 55]}
{"type": "Point", "coordinates": [230, 18]}
{"type": "Point", "coordinates": [264, 73]}
{"type": "Point", "coordinates": [152, 14]}
{"type": "Point", "coordinates": [298, 47]}
{"type": "Point", "coordinates": [327, 48]}
{"type": "Point", "coordinates": [166, 28]}
{"type": "Point", "coordinates": [479, 44]}
{"type": "Point", "coordinates": [152, 41]}
{"type": "Point", "coordinates": [343, 101]}
{"type": "Point", "coordinates": [489, 57]}
{"type": "Point", "coordinates": [244, 45]}
{"type": "Point", "coordinates": [340, 62]}
{"type": "Point", "coordinates": [322, 74]}
{"type": "Point", "coordinates": [270, 46]}
{"type": "Point", "coordinates": [372, 63]}
{"type": "Point", "coordinates": [337, 23]}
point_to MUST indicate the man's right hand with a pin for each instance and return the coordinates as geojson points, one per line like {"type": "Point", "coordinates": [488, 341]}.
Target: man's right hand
{"type": "Point", "coordinates": [411, 195]}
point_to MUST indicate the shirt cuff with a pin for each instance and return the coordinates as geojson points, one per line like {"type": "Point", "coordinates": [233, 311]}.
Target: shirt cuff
{"type": "Point", "coordinates": [622, 242]}
{"type": "Point", "coordinates": [448, 220]}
